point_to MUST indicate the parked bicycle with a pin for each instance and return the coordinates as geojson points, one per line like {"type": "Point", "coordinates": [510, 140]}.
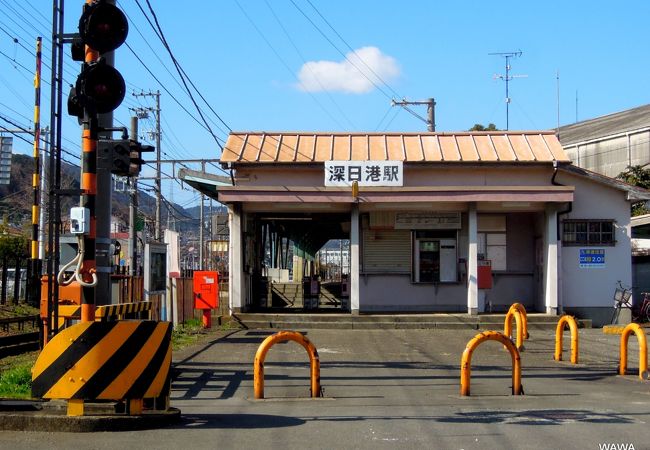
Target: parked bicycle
{"type": "Point", "coordinates": [622, 299]}
{"type": "Point", "coordinates": [641, 314]}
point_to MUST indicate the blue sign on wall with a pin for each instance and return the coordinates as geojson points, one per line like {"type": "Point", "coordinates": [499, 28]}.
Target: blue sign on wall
{"type": "Point", "coordinates": [592, 258]}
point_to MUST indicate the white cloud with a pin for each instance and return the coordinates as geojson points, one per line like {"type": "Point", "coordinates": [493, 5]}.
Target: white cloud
{"type": "Point", "coordinates": [353, 75]}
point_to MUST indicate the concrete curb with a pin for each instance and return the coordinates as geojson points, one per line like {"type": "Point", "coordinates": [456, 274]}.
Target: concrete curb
{"type": "Point", "coordinates": [52, 421]}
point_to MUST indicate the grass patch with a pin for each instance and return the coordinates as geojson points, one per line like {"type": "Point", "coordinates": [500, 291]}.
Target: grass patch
{"type": "Point", "coordinates": [187, 333]}
{"type": "Point", "coordinates": [16, 375]}
{"type": "Point", "coordinates": [21, 309]}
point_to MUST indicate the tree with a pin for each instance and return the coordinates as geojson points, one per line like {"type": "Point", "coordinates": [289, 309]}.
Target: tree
{"type": "Point", "coordinates": [479, 127]}
{"type": "Point", "coordinates": [637, 176]}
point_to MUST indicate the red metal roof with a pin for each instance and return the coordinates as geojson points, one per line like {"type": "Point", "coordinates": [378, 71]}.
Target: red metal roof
{"type": "Point", "coordinates": [462, 147]}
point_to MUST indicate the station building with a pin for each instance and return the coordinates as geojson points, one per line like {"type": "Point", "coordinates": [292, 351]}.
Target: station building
{"type": "Point", "coordinates": [462, 222]}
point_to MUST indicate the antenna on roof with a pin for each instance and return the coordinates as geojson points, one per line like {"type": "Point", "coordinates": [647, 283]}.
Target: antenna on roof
{"type": "Point", "coordinates": [507, 77]}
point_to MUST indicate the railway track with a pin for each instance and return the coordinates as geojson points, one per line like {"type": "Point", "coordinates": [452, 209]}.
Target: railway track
{"type": "Point", "coordinates": [16, 344]}
{"type": "Point", "coordinates": [16, 339]}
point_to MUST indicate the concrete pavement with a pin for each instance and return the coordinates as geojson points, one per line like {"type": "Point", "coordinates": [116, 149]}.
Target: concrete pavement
{"type": "Point", "coordinates": [388, 389]}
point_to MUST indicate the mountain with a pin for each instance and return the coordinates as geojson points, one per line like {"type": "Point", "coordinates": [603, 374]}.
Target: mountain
{"type": "Point", "coordinates": [16, 198]}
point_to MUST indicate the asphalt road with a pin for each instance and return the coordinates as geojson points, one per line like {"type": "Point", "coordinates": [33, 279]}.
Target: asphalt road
{"type": "Point", "coordinates": [391, 389]}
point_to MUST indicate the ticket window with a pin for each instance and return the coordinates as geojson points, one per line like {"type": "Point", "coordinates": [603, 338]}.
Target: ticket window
{"type": "Point", "coordinates": [435, 260]}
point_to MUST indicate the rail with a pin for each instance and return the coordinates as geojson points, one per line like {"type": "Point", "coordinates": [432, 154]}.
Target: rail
{"type": "Point", "coordinates": [16, 344]}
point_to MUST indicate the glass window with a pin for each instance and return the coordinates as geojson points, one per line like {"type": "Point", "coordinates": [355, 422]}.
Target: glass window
{"type": "Point", "coordinates": [588, 232]}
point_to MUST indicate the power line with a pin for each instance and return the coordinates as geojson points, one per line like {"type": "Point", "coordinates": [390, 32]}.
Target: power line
{"type": "Point", "coordinates": [304, 60]}
{"type": "Point", "coordinates": [181, 73]}
{"type": "Point", "coordinates": [350, 47]}
{"type": "Point", "coordinates": [379, 88]}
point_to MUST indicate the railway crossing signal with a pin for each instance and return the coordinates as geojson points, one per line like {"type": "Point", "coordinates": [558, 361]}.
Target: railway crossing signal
{"type": "Point", "coordinates": [99, 88]}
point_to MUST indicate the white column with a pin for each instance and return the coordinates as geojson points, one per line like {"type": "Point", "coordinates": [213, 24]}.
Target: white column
{"type": "Point", "coordinates": [472, 261]}
{"type": "Point", "coordinates": [235, 259]}
{"type": "Point", "coordinates": [354, 260]}
{"type": "Point", "coordinates": [551, 261]}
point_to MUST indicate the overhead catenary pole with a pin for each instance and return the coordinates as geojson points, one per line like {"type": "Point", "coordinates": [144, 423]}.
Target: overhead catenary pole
{"type": "Point", "coordinates": [133, 206]}
{"type": "Point", "coordinates": [50, 323]}
{"type": "Point", "coordinates": [201, 242]}
{"type": "Point", "coordinates": [431, 110]}
{"type": "Point", "coordinates": [158, 224]}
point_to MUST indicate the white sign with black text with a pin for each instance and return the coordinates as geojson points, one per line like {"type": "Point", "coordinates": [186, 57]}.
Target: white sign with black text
{"type": "Point", "coordinates": [365, 173]}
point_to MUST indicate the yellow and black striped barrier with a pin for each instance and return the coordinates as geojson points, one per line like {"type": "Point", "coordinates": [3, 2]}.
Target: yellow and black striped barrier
{"type": "Point", "coordinates": [113, 312]}
{"type": "Point", "coordinates": [128, 360]}
{"type": "Point", "coordinates": [68, 313]}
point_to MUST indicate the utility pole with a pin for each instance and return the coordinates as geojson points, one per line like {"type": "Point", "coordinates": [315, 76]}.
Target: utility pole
{"type": "Point", "coordinates": [158, 225]}
{"type": "Point", "coordinates": [507, 77]}
{"type": "Point", "coordinates": [431, 110]}
{"type": "Point", "coordinates": [201, 243]}
{"type": "Point", "coordinates": [133, 206]}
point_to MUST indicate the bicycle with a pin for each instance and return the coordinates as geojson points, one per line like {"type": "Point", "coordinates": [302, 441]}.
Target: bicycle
{"type": "Point", "coordinates": [642, 313]}
{"type": "Point", "coordinates": [622, 299]}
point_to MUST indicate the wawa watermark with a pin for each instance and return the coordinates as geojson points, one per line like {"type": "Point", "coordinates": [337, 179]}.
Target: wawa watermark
{"type": "Point", "coordinates": [616, 446]}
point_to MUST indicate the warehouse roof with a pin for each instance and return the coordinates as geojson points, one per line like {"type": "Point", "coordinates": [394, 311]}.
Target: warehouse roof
{"type": "Point", "coordinates": [611, 124]}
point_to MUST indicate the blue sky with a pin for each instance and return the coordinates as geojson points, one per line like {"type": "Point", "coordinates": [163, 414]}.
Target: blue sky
{"type": "Point", "coordinates": [281, 65]}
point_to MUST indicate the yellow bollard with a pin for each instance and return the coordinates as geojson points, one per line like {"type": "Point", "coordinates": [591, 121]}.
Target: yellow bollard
{"type": "Point", "coordinates": [643, 350]}
{"type": "Point", "coordinates": [466, 360]}
{"type": "Point", "coordinates": [524, 316]}
{"type": "Point", "coordinates": [521, 328]}
{"type": "Point", "coordinates": [559, 331]}
{"type": "Point", "coordinates": [281, 336]}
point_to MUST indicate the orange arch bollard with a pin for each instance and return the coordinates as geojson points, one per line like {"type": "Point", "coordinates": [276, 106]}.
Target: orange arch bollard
{"type": "Point", "coordinates": [524, 316]}
{"type": "Point", "coordinates": [521, 327]}
{"type": "Point", "coordinates": [559, 331]}
{"type": "Point", "coordinates": [281, 336]}
{"type": "Point", "coordinates": [643, 350]}
{"type": "Point", "coordinates": [466, 360]}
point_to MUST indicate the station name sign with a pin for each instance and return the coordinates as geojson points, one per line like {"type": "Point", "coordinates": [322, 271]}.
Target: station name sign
{"type": "Point", "coordinates": [365, 173]}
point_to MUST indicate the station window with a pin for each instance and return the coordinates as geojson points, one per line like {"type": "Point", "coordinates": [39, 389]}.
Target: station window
{"type": "Point", "coordinates": [435, 257]}
{"type": "Point", "coordinates": [588, 232]}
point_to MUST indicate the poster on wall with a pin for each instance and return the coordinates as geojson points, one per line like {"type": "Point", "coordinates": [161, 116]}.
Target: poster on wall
{"type": "Point", "coordinates": [592, 258]}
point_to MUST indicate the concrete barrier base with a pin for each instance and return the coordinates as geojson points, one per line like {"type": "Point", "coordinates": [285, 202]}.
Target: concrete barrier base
{"type": "Point", "coordinates": [19, 415]}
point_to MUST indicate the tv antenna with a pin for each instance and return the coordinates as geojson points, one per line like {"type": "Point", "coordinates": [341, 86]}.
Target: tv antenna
{"type": "Point", "coordinates": [507, 77]}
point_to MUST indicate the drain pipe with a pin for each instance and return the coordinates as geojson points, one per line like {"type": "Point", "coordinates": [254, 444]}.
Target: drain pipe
{"type": "Point", "coordinates": [568, 210]}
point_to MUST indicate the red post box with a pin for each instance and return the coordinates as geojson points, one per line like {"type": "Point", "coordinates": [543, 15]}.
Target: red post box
{"type": "Point", "coordinates": [484, 274]}
{"type": "Point", "coordinates": [206, 293]}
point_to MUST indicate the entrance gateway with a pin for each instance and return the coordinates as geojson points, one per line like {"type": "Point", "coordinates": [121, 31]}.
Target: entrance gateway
{"type": "Point", "coordinates": [428, 222]}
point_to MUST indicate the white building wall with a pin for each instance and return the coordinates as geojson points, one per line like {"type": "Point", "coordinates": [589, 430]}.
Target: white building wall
{"type": "Point", "coordinates": [593, 288]}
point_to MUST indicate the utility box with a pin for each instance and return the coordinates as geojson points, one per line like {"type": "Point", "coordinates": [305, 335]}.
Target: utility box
{"type": "Point", "coordinates": [206, 289]}
{"type": "Point", "coordinates": [484, 274]}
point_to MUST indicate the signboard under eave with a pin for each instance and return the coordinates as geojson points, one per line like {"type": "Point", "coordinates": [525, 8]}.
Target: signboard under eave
{"type": "Point", "coordinates": [365, 173]}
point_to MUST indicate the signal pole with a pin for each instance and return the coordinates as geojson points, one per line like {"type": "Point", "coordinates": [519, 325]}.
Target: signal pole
{"type": "Point", "coordinates": [507, 77]}
{"type": "Point", "coordinates": [158, 227]}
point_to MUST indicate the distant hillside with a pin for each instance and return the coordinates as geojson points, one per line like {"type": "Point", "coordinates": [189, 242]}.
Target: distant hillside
{"type": "Point", "coordinates": [16, 197]}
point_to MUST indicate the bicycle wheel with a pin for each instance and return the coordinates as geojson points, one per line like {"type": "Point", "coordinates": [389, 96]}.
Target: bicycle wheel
{"type": "Point", "coordinates": [645, 313]}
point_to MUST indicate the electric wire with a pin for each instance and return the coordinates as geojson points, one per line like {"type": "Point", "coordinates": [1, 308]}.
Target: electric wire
{"type": "Point", "coordinates": [181, 73]}
{"type": "Point", "coordinates": [304, 60]}
{"type": "Point", "coordinates": [349, 47]}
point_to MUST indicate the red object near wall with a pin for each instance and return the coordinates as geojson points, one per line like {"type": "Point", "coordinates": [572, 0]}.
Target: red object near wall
{"type": "Point", "coordinates": [206, 289]}
{"type": "Point", "coordinates": [485, 274]}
